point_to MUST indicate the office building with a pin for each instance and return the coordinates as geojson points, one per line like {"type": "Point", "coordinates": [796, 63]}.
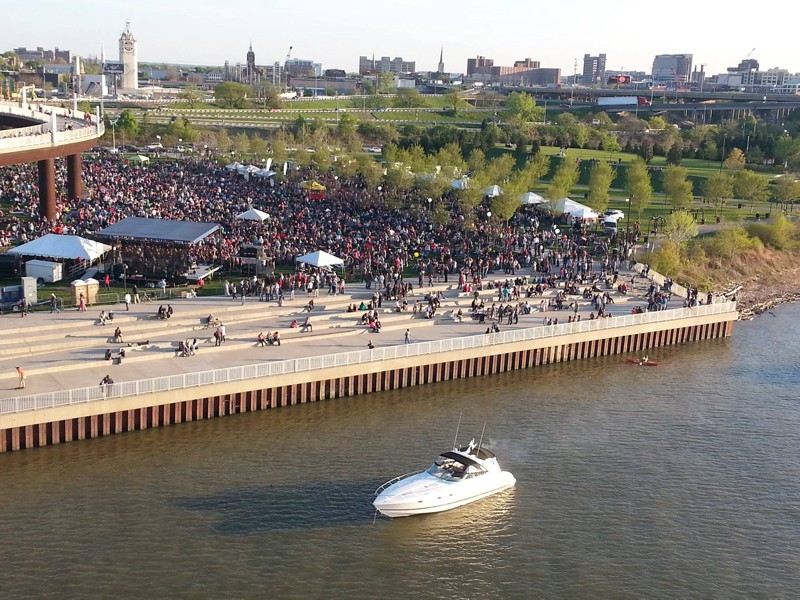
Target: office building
{"type": "Point", "coordinates": [385, 65]}
{"type": "Point", "coordinates": [672, 68]}
{"type": "Point", "coordinates": [594, 70]}
{"type": "Point", "coordinates": [473, 64]}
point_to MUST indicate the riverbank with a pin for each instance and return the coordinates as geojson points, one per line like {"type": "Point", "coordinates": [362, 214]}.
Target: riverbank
{"type": "Point", "coordinates": [766, 292]}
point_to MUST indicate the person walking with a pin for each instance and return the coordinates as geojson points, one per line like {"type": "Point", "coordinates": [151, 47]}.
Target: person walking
{"type": "Point", "coordinates": [54, 304]}
{"type": "Point", "coordinates": [135, 292]}
{"type": "Point", "coordinates": [21, 373]}
{"type": "Point", "coordinates": [127, 300]}
{"type": "Point", "coordinates": [23, 307]}
{"type": "Point", "coordinates": [407, 336]}
{"type": "Point", "coordinates": [106, 383]}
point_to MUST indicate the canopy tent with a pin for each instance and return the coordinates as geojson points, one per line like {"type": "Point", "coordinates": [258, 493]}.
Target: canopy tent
{"type": "Point", "coordinates": [493, 191]}
{"type": "Point", "coordinates": [159, 230]}
{"type": "Point", "coordinates": [460, 184]}
{"type": "Point", "coordinates": [574, 209]}
{"type": "Point", "coordinates": [138, 158]}
{"type": "Point", "coordinates": [65, 247]}
{"type": "Point", "coordinates": [532, 198]}
{"type": "Point", "coordinates": [252, 215]}
{"type": "Point", "coordinates": [234, 166]}
{"type": "Point", "coordinates": [320, 258]}
{"type": "Point", "coordinates": [313, 186]}
{"type": "Point", "coordinates": [264, 173]}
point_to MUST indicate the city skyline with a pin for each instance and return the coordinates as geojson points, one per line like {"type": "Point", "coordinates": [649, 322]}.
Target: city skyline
{"type": "Point", "coordinates": [202, 33]}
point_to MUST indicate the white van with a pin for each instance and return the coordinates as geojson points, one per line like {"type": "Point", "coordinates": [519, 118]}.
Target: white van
{"type": "Point", "coordinates": [610, 226]}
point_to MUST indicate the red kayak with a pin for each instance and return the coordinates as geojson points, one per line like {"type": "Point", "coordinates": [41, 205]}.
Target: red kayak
{"type": "Point", "coordinates": [643, 363]}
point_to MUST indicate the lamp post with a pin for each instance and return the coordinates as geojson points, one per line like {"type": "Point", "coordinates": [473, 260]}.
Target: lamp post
{"type": "Point", "coordinates": [114, 133]}
{"type": "Point", "coordinates": [430, 204]}
{"type": "Point", "coordinates": [627, 224]}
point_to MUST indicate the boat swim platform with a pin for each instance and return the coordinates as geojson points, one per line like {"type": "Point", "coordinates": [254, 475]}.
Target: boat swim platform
{"type": "Point", "coordinates": [62, 354]}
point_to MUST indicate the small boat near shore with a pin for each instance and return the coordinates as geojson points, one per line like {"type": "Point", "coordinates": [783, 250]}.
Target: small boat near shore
{"type": "Point", "coordinates": [456, 478]}
{"type": "Point", "coordinates": [642, 362]}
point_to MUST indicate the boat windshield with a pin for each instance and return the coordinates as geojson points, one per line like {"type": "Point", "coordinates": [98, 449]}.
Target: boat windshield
{"type": "Point", "coordinates": [452, 470]}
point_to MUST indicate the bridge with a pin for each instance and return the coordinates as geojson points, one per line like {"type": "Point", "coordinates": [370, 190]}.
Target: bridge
{"type": "Point", "coordinates": [38, 132]}
{"type": "Point", "coordinates": [736, 104]}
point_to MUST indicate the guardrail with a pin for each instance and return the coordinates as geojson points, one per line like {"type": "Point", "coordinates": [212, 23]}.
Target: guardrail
{"type": "Point", "coordinates": [43, 134]}
{"type": "Point", "coordinates": [313, 363]}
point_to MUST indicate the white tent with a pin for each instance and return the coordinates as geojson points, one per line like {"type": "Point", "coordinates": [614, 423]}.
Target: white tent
{"type": "Point", "coordinates": [234, 166]}
{"type": "Point", "coordinates": [532, 198]}
{"type": "Point", "coordinates": [320, 258]}
{"type": "Point", "coordinates": [460, 184]}
{"type": "Point", "coordinates": [574, 209]}
{"type": "Point", "coordinates": [264, 173]}
{"type": "Point", "coordinates": [54, 245]}
{"type": "Point", "coordinates": [252, 215]}
{"type": "Point", "coordinates": [493, 191]}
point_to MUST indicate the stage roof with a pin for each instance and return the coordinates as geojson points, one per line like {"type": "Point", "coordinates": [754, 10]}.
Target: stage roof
{"type": "Point", "coordinates": [159, 230]}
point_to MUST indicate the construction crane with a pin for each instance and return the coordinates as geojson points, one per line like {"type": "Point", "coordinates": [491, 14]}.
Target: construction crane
{"type": "Point", "coordinates": [749, 54]}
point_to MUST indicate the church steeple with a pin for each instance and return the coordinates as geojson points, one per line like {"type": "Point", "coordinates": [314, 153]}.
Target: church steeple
{"type": "Point", "coordinates": [440, 68]}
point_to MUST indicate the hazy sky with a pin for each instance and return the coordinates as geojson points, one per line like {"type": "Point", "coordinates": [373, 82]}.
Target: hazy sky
{"type": "Point", "coordinates": [337, 33]}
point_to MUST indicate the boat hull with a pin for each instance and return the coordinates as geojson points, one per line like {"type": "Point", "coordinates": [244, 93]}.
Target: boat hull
{"type": "Point", "coordinates": [394, 503]}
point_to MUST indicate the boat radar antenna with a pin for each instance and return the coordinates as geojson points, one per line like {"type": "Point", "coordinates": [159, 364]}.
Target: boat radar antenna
{"type": "Point", "coordinates": [455, 439]}
{"type": "Point", "coordinates": [481, 440]}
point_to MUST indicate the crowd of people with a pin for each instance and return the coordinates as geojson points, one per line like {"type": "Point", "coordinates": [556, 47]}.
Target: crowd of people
{"type": "Point", "coordinates": [354, 221]}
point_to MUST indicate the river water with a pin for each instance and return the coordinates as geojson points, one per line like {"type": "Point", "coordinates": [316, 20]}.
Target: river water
{"type": "Point", "coordinates": [680, 481]}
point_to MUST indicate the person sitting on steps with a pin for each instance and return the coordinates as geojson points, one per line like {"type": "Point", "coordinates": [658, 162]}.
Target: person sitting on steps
{"type": "Point", "coordinates": [307, 326]}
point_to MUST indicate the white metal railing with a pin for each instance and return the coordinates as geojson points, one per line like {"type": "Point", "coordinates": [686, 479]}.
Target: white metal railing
{"type": "Point", "coordinates": [313, 363]}
{"type": "Point", "coordinates": [40, 135]}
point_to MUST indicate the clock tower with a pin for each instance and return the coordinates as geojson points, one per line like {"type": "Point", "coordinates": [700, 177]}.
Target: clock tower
{"type": "Point", "coordinates": [127, 56]}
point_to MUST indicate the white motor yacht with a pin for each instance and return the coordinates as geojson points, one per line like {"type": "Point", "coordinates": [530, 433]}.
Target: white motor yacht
{"type": "Point", "coordinates": [457, 477]}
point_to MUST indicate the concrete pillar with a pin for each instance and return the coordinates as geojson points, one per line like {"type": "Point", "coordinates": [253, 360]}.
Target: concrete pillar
{"type": "Point", "coordinates": [47, 189]}
{"type": "Point", "coordinates": [74, 182]}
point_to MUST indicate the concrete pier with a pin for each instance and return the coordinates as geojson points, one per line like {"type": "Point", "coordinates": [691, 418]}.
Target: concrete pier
{"type": "Point", "coordinates": [62, 354]}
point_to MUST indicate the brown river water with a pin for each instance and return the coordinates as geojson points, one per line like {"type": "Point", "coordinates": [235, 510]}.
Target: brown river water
{"type": "Point", "coordinates": [679, 481]}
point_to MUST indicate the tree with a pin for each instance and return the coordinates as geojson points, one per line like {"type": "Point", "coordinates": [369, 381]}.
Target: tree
{"type": "Point", "coordinates": [241, 143]}
{"type": "Point", "coordinates": [191, 95]}
{"type": "Point", "coordinates": [477, 160]}
{"type": "Point", "coordinates": [638, 186]}
{"type": "Point", "coordinates": [787, 151]}
{"type": "Point", "coordinates": [564, 179]}
{"type": "Point", "coordinates": [677, 186]}
{"type": "Point", "coordinates": [346, 127]}
{"type": "Point", "coordinates": [600, 178]}
{"type": "Point", "coordinates": [409, 98]}
{"type": "Point", "coordinates": [679, 227]}
{"type": "Point", "coordinates": [581, 135]}
{"type": "Point", "coordinates": [718, 188]}
{"type": "Point", "coordinates": [269, 96]}
{"type": "Point", "coordinates": [521, 108]}
{"type": "Point", "coordinates": [736, 160]}
{"type": "Point", "coordinates": [499, 169]}
{"type": "Point", "coordinates": [507, 203]}
{"type": "Point", "coordinates": [127, 123]}
{"type": "Point", "coordinates": [786, 190]}
{"type": "Point", "coordinates": [750, 187]}
{"type": "Point", "coordinates": [657, 123]}
{"type": "Point", "coordinates": [385, 83]}
{"type": "Point", "coordinates": [231, 94]}
{"type": "Point", "coordinates": [533, 170]}
{"type": "Point", "coordinates": [455, 101]}
{"type": "Point", "coordinates": [675, 154]}
{"type": "Point", "coordinates": [258, 145]}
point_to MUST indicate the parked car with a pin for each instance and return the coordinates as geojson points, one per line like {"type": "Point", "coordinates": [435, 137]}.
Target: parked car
{"type": "Point", "coordinates": [613, 215]}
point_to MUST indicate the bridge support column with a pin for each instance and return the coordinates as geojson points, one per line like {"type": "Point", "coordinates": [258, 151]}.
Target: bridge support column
{"type": "Point", "coordinates": [47, 188]}
{"type": "Point", "coordinates": [74, 181]}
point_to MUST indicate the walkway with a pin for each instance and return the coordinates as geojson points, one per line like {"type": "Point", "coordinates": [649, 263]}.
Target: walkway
{"type": "Point", "coordinates": [66, 350]}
